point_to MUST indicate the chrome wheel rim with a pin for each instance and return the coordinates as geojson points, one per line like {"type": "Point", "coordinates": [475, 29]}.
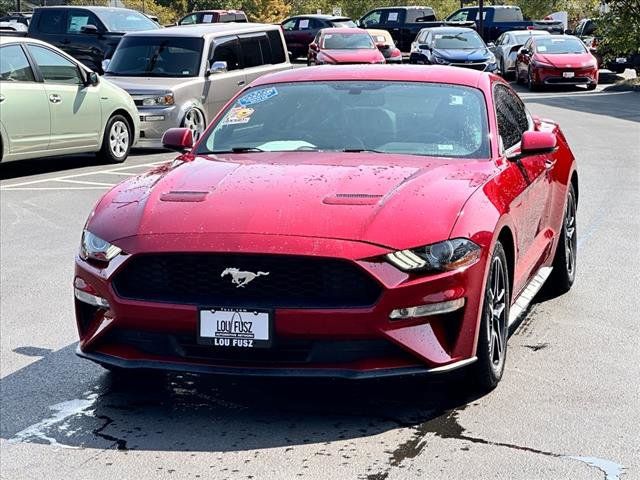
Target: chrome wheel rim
{"type": "Point", "coordinates": [119, 139]}
{"type": "Point", "coordinates": [570, 236]}
{"type": "Point", "coordinates": [497, 314]}
{"type": "Point", "coordinates": [194, 121]}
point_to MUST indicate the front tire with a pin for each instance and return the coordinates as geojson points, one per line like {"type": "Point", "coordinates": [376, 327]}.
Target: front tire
{"type": "Point", "coordinates": [564, 263]}
{"type": "Point", "coordinates": [194, 121]}
{"type": "Point", "coordinates": [116, 141]}
{"type": "Point", "coordinates": [492, 338]}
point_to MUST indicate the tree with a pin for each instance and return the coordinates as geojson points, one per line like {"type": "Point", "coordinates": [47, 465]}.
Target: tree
{"type": "Point", "coordinates": [619, 29]}
{"type": "Point", "coordinates": [267, 11]}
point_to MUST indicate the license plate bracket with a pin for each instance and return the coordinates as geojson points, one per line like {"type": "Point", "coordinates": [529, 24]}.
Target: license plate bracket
{"type": "Point", "coordinates": [235, 327]}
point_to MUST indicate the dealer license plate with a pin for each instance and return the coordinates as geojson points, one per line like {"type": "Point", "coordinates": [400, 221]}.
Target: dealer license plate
{"type": "Point", "coordinates": [235, 327]}
{"type": "Point", "coordinates": [568, 74]}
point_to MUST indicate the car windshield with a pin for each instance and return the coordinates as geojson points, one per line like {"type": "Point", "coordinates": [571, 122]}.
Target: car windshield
{"type": "Point", "coordinates": [147, 56]}
{"type": "Point", "coordinates": [343, 23]}
{"type": "Point", "coordinates": [126, 21]}
{"type": "Point", "coordinates": [559, 45]}
{"type": "Point", "coordinates": [347, 41]}
{"type": "Point", "coordinates": [522, 38]}
{"type": "Point", "coordinates": [458, 40]}
{"type": "Point", "coordinates": [380, 116]}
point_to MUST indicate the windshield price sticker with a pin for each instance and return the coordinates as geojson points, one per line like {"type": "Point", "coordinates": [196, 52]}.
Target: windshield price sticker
{"type": "Point", "coordinates": [258, 96]}
{"type": "Point", "coordinates": [240, 328]}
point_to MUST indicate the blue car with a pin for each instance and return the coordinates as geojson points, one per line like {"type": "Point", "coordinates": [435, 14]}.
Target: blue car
{"type": "Point", "coordinates": [456, 46]}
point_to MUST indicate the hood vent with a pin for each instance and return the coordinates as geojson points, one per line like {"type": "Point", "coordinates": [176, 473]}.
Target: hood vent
{"type": "Point", "coordinates": [352, 199]}
{"type": "Point", "coordinates": [184, 196]}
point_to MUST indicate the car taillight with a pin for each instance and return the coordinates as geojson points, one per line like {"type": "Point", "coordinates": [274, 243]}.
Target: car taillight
{"type": "Point", "coordinates": [396, 53]}
{"type": "Point", "coordinates": [594, 42]}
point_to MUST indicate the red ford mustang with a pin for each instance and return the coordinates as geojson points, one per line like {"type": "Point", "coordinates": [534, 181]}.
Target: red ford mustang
{"type": "Point", "coordinates": [335, 221]}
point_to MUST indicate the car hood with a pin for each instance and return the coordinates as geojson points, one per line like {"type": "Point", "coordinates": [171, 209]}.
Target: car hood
{"type": "Point", "coordinates": [353, 56]}
{"type": "Point", "coordinates": [141, 85]}
{"type": "Point", "coordinates": [471, 55]}
{"type": "Point", "coordinates": [395, 201]}
{"type": "Point", "coordinates": [566, 60]}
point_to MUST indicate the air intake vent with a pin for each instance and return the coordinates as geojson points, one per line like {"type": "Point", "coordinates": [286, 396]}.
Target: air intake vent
{"type": "Point", "coordinates": [352, 199]}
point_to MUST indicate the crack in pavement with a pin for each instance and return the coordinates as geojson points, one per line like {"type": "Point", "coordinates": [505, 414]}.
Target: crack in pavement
{"type": "Point", "coordinates": [446, 426]}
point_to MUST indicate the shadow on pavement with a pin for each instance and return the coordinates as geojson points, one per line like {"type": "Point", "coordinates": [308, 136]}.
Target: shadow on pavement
{"type": "Point", "coordinates": [37, 166]}
{"type": "Point", "coordinates": [63, 399]}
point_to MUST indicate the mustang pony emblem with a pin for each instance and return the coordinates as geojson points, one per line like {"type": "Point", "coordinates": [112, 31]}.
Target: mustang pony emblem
{"type": "Point", "coordinates": [240, 279]}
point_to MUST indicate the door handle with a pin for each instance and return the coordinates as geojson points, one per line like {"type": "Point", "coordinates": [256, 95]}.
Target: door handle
{"type": "Point", "coordinates": [240, 83]}
{"type": "Point", "coordinates": [2, 97]}
{"type": "Point", "coordinates": [549, 164]}
{"type": "Point", "coordinates": [55, 98]}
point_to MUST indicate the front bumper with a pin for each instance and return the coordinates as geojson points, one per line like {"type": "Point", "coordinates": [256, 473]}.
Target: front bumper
{"type": "Point", "coordinates": [154, 122]}
{"type": "Point", "coordinates": [557, 76]}
{"type": "Point", "coordinates": [336, 342]}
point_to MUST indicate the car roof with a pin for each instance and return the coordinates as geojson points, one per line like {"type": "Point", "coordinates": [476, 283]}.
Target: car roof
{"type": "Point", "coordinates": [404, 7]}
{"type": "Point", "coordinates": [400, 73]}
{"type": "Point", "coordinates": [88, 7]}
{"type": "Point", "coordinates": [320, 16]}
{"type": "Point", "coordinates": [206, 29]}
{"type": "Point", "coordinates": [10, 39]}
{"type": "Point", "coordinates": [215, 11]}
{"type": "Point", "coordinates": [450, 29]}
{"type": "Point", "coordinates": [343, 30]}
{"type": "Point", "coordinates": [531, 32]}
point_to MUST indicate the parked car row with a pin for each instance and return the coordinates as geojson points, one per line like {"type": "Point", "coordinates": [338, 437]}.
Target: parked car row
{"type": "Point", "coordinates": [182, 76]}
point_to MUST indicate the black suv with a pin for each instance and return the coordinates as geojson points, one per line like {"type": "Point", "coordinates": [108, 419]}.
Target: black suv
{"type": "Point", "coordinates": [90, 34]}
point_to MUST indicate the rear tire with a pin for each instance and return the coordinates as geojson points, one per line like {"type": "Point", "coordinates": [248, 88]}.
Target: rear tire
{"type": "Point", "coordinates": [564, 263]}
{"type": "Point", "coordinates": [492, 338]}
{"type": "Point", "coordinates": [116, 141]}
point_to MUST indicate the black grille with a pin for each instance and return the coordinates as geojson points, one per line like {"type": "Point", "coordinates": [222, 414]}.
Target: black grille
{"type": "Point", "coordinates": [474, 66]}
{"type": "Point", "coordinates": [283, 351]}
{"type": "Point", "coordinates": [292, 281]}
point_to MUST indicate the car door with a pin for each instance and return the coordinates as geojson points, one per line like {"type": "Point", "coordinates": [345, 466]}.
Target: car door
{"type": "Point", "coordinates": [306, 31]}
{"type": "Point", "coordinates": [523, 59]}
{"type": "Point", "coordinates": [84, 47]}
{"type": "Point", "coordinates": [51, 27]}
{"type": "Point", "coordinates": [530, 209]}
{"type": "Point", "coordinates": [76, 117]}
{"type": "Point", "coordinates": [220, 87]}
{"type": "Point", "coordinates": [20, 97]}
{"type": "Point", "coordinates": [253, 47]}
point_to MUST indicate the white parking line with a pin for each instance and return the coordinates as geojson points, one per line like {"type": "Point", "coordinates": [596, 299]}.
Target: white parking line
{"type": "Point", "coordinates": [533, 96]}
{"type": "Point", "coordinates": [68, 178]}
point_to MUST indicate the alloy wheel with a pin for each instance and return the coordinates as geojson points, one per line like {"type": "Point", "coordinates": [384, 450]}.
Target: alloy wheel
{"type": "Point", "coordinates": [194, 121]}
{"type": "Point", "coordinates": [570, 240]}
{"type": "Point", "coordinates": [497, 314]}
{"type": "Point", "coordinates": [119, 139]}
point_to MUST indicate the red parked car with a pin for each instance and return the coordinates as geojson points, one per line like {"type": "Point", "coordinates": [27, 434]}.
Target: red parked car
{"type": "Point", "coordinates": [335, 221]}
{"type": "Point", "coordinates": [556, 60]}
{"type": "Point", "coordinates": [333, 46]}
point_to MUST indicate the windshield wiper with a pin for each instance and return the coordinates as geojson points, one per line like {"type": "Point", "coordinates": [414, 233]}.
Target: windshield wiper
{"type": "Point", "coordinates": [360, 150]}
{"type": "Point", "coordinates": [238, 150]}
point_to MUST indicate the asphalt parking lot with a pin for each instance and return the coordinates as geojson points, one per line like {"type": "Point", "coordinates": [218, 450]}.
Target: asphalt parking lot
{"type": "Point", "coordinates": [567, 408]}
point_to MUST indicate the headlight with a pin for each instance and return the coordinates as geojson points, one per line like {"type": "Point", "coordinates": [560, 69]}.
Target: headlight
{"type": "Point", "coordinates": [541, 64]}
{"type": "Point", "coordinates": [95, 248]}
{"type": "Point", "coordinates": [438, 257]}
{"type": "Point", "coordinates": [492, 59]}
{"type": "Point", "coordinates": [440, 60]}
{"type": "Point", "coordinates": [166, 99]}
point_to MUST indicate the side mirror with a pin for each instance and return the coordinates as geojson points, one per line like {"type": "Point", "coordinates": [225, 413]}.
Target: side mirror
{"type": "Point", "coordinates": [536, 143]}
{"type": "Point", "coordinates": [178, 139]}
{"type": "Point", "coordinates": [313, 46]}
{"type": "Point", "coordinates": [491, 45]}
{"type": "Point", "coordinates": [217, 67]}
{"type": "Point", "coordinates": [92, 79]}
{"type": "Point", "coordinates": [89, 30]}
{"type": "Point", "coordinates": [523, 51]}
{"type": "Point", "coordinates": [424, 47]}
{"type": "Point", "coordinates": [105, 64]}
{"type": "Point", "coordinates": [358, 24]}
{"type": "Point", "coordinates": [568, 31]}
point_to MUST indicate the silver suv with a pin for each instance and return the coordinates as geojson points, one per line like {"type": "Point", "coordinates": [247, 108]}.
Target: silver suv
{"type": "Point", "coordinates": [182, 76]}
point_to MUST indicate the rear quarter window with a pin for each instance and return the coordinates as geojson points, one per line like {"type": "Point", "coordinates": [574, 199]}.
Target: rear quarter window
{"type": "Point", "coordinates": [507, 15]}
{"type": "Point", "coordinates": [52, 21]}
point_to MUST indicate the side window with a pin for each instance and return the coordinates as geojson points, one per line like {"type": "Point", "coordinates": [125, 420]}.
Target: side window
{"type": "Point", "coordinates": [52, 20]}
{"type": "Point", "coordinates": [227, 17]}
{"type": "Point", "coordinates": [54, 67]}
{"type": "Point", "coordinates": [289, 25]}
{"type": "Point", "coordinates": [277, 48]}
{"type": "Point", "coordinates": [512, 117]}
{"type": "Point", "coordinates": [460, 16]}
{"type": "Point", "coordinates": [305, 24]}
{"type": "Point", "coordinates": [372, 19]}
{"type": "Point", "coordinates": [189, 19]}
{"type": "Point", "coordinates": [392, 17]}
{"type": "Point", "coordinates": [589, 27]}
{"type": "Point", "coordinates": [251, 53]}
{"type": "Point", "coordinates": [78, 19]}
{"type": "Point", "coordinates": [14, 66]}
{"type": "Point", "coordinates": [227, 49]}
